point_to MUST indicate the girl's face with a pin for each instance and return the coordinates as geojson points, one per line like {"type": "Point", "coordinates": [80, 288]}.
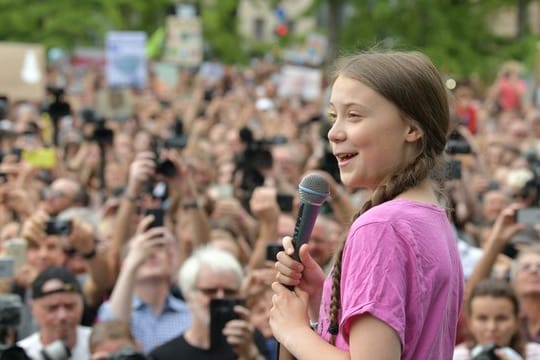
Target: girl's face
{"type": "Point", "coordinates": [492, 320]}
{"type": "Point", "coordinates": [369, 136]}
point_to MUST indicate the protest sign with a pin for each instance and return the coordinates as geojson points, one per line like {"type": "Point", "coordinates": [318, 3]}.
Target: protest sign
{"type": "Point", "coordinates": [126, 59]}
{"type": "Point", "coordinates": [22, 74]}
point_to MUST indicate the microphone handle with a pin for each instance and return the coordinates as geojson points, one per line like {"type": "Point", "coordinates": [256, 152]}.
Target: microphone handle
{"type": "Point", "coordinates": [307, 215]}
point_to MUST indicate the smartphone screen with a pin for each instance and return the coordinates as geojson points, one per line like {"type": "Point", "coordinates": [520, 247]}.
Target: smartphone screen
{"type": "Point", "coordinates": [529, 216]}
{"type": "Point", "coordinates": [158, 214]}
{"type": "Point", "coordinates": [6, 267]}
{"type": "Point", "coordinates": [221, 312]}
{"type": "Point", "coordinates": [285, 202]}
{"type": "Point", "coordinates": [272, 251]}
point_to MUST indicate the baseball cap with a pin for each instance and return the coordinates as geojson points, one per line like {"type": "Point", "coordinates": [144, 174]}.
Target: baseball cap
{"type": "Point", "coordinates": [62, 274]}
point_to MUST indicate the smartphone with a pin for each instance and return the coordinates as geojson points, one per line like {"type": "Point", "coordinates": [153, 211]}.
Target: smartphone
{"type": "Point", "coordinates": [16, 248]}
{"type": "Point", "coordinates": [529, 216]}
{"type": "Point", "coordinates": [57, 226]}
{"type": "Point", "coordinates": [285, 202]}
{"type": "Point", "coordinates": [221, 312]}
{"type": "Point", "coordinates": [6, 267]}
{"type": "Point", "coordinates": [43, 158]}
{"type": "Point", "coordinates": [272, 251]}
{"type": "Point", "coordinates": [453, 169]}
{"type": "Point", "coordinates": [158, 214]}
{"type": "Point", "coordinates": [222, 191]}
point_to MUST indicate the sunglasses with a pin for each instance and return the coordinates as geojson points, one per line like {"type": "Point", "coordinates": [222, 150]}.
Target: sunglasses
{"type": "Point", "coordinates": [212, 292]}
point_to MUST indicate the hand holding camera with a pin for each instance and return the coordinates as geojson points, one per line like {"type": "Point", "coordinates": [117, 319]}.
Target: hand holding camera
{"type": "Point", "coordinates": [34, 228]}
{"type": "Point", "coordinates": [140, 170]}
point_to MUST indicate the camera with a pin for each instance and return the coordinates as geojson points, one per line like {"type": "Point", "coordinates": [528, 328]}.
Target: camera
{"type": "Point", "coordinates": [126, 353]}
{"type": "Point", "coordinates": [485, 352]}
{"type": "Point", "coordinates": [457, 144]}
{"type": "Point", "coordinates": [57, 226]}
{"type": "Point", "coordinates": [57, 350]}
{"type": "Point", "coordinates": [165, 167]}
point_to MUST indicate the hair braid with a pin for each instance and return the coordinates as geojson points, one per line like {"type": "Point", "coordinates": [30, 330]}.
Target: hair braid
{"type": "Point", "coordinates": [397, 183]}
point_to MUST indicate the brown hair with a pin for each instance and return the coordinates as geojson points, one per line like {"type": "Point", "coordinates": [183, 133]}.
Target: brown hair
{"type": "Point", "coordinates": [499, 289]}
{"type": "Point", "coordinates": [109, 330]}
{"type": "Point", "coordinates": [411, 82]}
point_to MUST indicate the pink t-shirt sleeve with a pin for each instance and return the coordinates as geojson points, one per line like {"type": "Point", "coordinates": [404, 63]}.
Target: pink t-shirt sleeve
{"type": "Point", "coordinates": [378, 262]}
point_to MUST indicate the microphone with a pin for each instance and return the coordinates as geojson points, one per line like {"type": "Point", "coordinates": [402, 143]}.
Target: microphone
{"type": "Point", "coordinates": [313, 192]}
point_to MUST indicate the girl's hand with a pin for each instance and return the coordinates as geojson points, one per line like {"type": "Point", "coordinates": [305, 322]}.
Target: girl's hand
{"type": "Point", "coordinates": [306, 275]}
{"type": "Point", "coordinates": [288, 315]}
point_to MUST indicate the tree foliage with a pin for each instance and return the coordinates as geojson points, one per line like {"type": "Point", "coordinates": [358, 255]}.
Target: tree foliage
{"type": "Point", "coordinates": [453, 32]}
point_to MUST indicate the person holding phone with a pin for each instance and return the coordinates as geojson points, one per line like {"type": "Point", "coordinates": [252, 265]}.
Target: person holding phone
{"type": "Point", "coordinates": [142, 294]}
{"type": "Point", "coordinates": [396, 287]}
{"type": "Point", "coordinates": [210, 280]}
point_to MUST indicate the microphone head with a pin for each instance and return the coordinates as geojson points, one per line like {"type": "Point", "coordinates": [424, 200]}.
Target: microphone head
{"type": "Point", "coordinates": [313, 189]}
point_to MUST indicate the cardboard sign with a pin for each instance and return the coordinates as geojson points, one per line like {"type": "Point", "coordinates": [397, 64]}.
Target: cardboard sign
{"type": "Point", "coordinates": [22, 74]}
{"type": "Point", "coordinates": [300, 82]}
{"type": "Point", "coordinates": [115, 104]}
{"type": "Point", "coordinates": [184, 44]}
{"type": "Point", "coordinates": [126, 59]}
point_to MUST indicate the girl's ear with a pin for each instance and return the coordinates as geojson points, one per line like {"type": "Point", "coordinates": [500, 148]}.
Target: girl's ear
{"type": "Point", "coordinates": [414, 132]}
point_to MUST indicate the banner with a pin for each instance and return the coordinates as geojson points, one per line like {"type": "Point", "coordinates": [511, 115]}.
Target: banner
{"type": "Point", "coordinates": [301, 82]}
{"type": "Point", "coordinates": [22, 74]}
{"type": "Point", "coordinates": [126, 59]}
{"type": "Point", "coordinates": [184, 45]}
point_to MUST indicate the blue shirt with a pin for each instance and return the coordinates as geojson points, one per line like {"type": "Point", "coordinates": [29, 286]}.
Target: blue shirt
{"type": "Point", "coordinates": [149, 329]}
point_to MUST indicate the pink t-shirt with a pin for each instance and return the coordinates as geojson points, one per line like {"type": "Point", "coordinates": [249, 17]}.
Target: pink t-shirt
{"type": "Point", "coordinates": [401, 265]}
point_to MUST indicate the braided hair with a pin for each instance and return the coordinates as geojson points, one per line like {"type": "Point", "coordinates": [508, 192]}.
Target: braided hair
{"type": "Point", "coordinates": [411, 82]}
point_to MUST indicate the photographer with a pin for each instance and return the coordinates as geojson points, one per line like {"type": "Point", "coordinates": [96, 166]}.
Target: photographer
{"type": "Point", "coordinates": [212, 274]}
{"type": "Point", "coordinates": [57, 305]}
{"type": "Point", "coordinates": [493, 310]}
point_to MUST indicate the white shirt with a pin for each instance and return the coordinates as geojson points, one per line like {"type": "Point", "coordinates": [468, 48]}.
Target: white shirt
{"type": "Point", "coordinates": [33, 346]}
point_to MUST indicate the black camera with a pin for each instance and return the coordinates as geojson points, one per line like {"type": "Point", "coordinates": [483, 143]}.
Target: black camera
{"type": "Point", "coordinates": [126, 353]}
{"type": "Point", "coordinates": [457, 144]}
{"type": "Point", "coordinates": [57, 226]}
{"type": "Point", "coordinates": [486, 352]}
{"type": "Point", "coordinates": [165, 167]}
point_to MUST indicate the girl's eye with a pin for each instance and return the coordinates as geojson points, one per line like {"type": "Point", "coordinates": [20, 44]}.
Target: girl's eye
{"type": "Point", "coordinates": [332, 116]}
{"type": "Point", "coordinates": [354, 115]}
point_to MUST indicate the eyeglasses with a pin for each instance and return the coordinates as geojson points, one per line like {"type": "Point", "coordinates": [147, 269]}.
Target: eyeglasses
{"type": "Point", "coordinates": [49, 193]}
{"type": "Point", "coordinates": [529, 267]}
{"type": "Point", "coordinates": [212, 292]}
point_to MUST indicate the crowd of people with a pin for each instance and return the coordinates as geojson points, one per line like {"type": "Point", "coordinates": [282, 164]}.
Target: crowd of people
{"type": "Point", "coordinates": [155, 234]}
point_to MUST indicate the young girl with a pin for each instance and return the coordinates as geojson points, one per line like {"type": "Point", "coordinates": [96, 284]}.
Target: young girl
{"type": "Point", "coordinates": [493, 311]}
{"type": "Point", "coordinates": [396, 287]}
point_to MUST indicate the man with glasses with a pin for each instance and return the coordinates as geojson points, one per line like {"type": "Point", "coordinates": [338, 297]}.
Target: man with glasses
{"type": "Point", "coordinates": [62, 194]}
{"type": "Point", "coordinates": [209, 274]}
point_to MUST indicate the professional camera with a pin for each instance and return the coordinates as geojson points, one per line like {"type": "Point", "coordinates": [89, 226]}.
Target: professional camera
{"type": "Point", "coordinates": [126, 353]}
{"type": "Point", "coordinates": [57, 226]}
{"type": "Point", "coordinates": [457, 144]}
{"type": "Point", "coordinates": [58, 107]}
{"type": "Point", "coordinates": [57, 350]}
{"type": "Point", "coordinates": [485, 352]}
